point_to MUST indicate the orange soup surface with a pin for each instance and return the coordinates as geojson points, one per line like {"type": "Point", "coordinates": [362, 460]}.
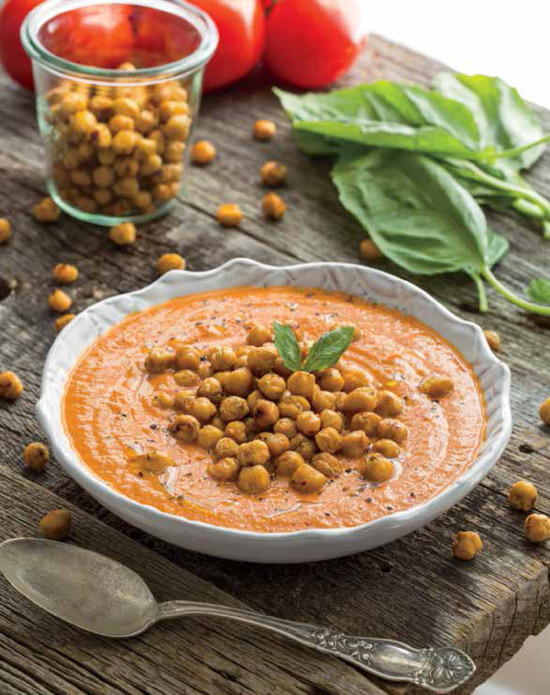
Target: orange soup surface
{"type": "Point", "coordinates": [110, 416]}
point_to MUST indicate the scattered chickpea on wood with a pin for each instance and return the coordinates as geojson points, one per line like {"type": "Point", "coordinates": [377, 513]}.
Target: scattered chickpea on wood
{"type": "Point", "coordinates": [46, 211]}
{"type": "Point", "coordinates": [273, 206]}
{"type": "Point", "coordinates": [170, 261]}
{"type": "Point", "coordinates": [59, 301]}
{"type": "Point", "coordinates": [264, 130]}
{"type": "Point", "coordinates": [56, 525]}
{"type": "Point", "coordinates": [123, 234]}
{"type": "Point", "coordinates": [370, 251]}
{"type": "Point", "coordinates": [466, 545]}
{"type": "Point", "coordinates": [63, 321]}
{"type": "Point", "coordinates": [5, 230]}
{"type": "Point", "coordinates": [65, 274]}
{"type": "Point", "coordinates": [522, 495]}
{"type": "Point", "coordinates": [203, 152]}
{"type": "Point", "coordinates": [537, 528]}
{"type": "Point", "coordinates": [544, 411]}
{"type": "Point", "coordinates": [229, 215]}
{"type": "Point", "coordinates": [11, 386]}
{"type": "Point", "coordinates": [36, 455]}
{"type": "Point", "coordinates": [493, 340]}
{"type": "Point", "coordinates": [273, 174]}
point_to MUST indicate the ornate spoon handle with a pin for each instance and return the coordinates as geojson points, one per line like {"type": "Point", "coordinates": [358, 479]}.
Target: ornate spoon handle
{"type": "Point", "coordinates": [440, 670]}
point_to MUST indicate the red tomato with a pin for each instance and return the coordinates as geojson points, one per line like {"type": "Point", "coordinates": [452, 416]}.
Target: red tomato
{"type": "Point", "coordinates": [241, 25]}
{"type": "Point", "coordinates": [14, 59]}
{"type": "Point", "coordinates": [313, 42]}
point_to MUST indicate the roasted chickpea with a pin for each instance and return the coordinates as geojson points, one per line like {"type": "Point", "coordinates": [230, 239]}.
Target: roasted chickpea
{"type": "Point", "coordinates": [272, 386]}
{"type": "Point", "coordinates": [223, 358]}
{"type": "Point", "coordinates": [159, 360]}
{"type": "Point", "coordinates": [203, 152]}
{"type": "Point", "coordinates": [354, 444]}
{"type": "Point", "coordinates": [229, 215]}
{"type": "Point", "coordinates": [185, 428]}
{"type": "Point", "coordinates": [523, 495]}
{"type": "Point", "coordinates": [212, 389]}
{"type": "Point", "coordinates": [225, 470]}
{"type": "Point", "coordinates": [202, 408]}
{"type": "Point", "coordinates": [173, 152]}
{"type": "Point", "coordinates": [280, 368]}
{"type": "Point", "coordinates": [537, 528]}
{"type": "Point", "coordinates": [151, 462]}
{"type": "Point", "coordinates": [83, 122]}
{"type": "Point", "coordinates": [304, 446]}
{"type": "Point", "coordinates": [187, 357]}
{"type": "Point", "coordinates": [387, 448]}
{"type": "Point", "coordinates": [251, 427]}
{"type": "Point", "coordinates": [389, 405]}
{"type": "Point", "coordinates": [204, 370]}
{"type": "Point", "coordinates": [327, 464]}
{"type": "Point", "coordinates": [273, 206]}
{"type": "Point", "coordinates": [209, 436]}
{"type": "Point", "coordinates": [186, 377]}
{"type": "Point", "coordinates": [361, 400]}
{"type": "Point", "coordinates": [544, 411]}
{"type": "Point", "coordinates": [233, 408]}
{"type": "Point", "coordinates": [287, 463]}
{"type": "Point", "coordinates": [62, 321]}
{"type": "Point", "coordinates": [226, 447]}
{"type": "Point", "coordinates": [308, 479]}
{"type": "Point", "coordinates": [286, 426]}
{"type": "Point", "coordinates": [56, 525]}
{"type": "Point", "coordinates": [5, 230]}
{"type": "Point", "coordinates": [253, 398]}
{"type": "Point", "coordinates": [73, 102]}
{"type": "Point", "coordinates": [121, 122]}
{"type": "Point", "coordinates": [123, 234]}
{"type": "Point", "coordinates": [124, 141]}
{"type": "Point", "coordinates": [64, 273]}
{"type": "Point", "coordinates": [258, 335]}
{"type": "Point", "coordinates": [216, 421]}
{"type": "Point", "coordinates": [292, 406]}
{"type": "Point", "coordinates": [236, 430]}
{"type": "Point", "coordinates": [330, 380]}
{"type": "Point", "coordinates": [177, 127]}
{"type": "Point", "coordinates": [376, 468]}
{"type": "Point", "coordinates": [392, 429]}
{"type": "Point", "coordinates": [266, 413]}
{"type": "Point", "coordinates": [436, 386]}
{"type": "Point", "coordinates": [354, 379]}
{"type": "Point", "coordinates": [276, 443]}
{"type": "Point", "coordinates": [323, 400]}
{"type": "Point", "coordinates": [254, 479]}
{"type": "Point", "coordinates": [340, 399]}
{"type": "Point", "coordinates": [261, 360]}
{"type": "Point", "coordinates": [59, 301]}
{"type": "Point", "coordinates": [253, 453]}
{"type": "Point", "coordinates": [170, 261]}
{"type": "Point", "coordinates": [273, 174]}
{"type": "Point", "coordinates": [493, 340]}
{"type": "Point", "coordinates": [36, 455]}
{"type": "Point", "coordinates": [163, 400]}
{"type": "Point", "coordinates": [301, 384]}
{"type": "Point", "coordinates": [145, 121]}
{"type": "Point", "coordinates": [330, 418]}
{"type": "Point", "coordinates": [466, 544]}
{"type": "Point", "coordinates": [11, 386]}
{"type": "Point", "coordinates": [368, 422]}
{"type": "Point", "coordinates": [370, 251]}
{"type": "Point", "coordinates": [46, 211]}
{"type": "Point", "coordinates": [183, 400]}
{"type": "Point", "coordinates": [264, 130]}
{"type": "Point", "coordinates": [308, 423]}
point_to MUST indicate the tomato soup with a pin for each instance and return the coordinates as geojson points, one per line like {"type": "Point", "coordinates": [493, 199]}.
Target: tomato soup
{"type": "Point", "coordinates": [111, 416]}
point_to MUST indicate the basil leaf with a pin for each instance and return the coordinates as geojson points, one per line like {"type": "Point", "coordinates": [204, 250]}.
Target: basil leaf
{"type": "Point", "coordinates": [503, 119]}
{"type": "Point", "coordinates": [539, 290]}
{"type": "Point", "coordinates": [287, 346]}
{"type": "Point", "coordinates": [328, 349]}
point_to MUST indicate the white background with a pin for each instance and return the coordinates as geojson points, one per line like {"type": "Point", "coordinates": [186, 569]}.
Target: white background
{"type": "Point", "coordinates": [511, 40]}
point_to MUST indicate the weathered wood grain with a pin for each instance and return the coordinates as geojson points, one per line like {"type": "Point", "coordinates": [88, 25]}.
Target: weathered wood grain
{"type": "Point", "coordinates": [411, 589]}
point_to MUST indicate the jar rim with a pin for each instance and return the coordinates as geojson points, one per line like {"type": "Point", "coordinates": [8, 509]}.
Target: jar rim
{"type": "Point", "coordinates": [182, 67]}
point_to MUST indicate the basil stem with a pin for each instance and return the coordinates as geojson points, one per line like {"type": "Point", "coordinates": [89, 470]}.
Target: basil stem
{"type": "Point", "coordinates": [511, 297]}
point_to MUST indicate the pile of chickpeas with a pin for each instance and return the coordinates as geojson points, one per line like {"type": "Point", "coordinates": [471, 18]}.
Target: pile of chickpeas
{"type": "Point", "coordinates": [260, 420]}
{"type": "Point", "coordinates": [118, 150]}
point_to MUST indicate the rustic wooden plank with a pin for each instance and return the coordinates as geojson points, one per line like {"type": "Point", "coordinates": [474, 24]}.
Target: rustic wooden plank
{"type": "Point", "coordinates": [490, 606]}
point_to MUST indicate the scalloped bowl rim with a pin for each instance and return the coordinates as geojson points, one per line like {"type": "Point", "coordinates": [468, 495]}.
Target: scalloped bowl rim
{"type": "Point", "coordinates": [449, 496]}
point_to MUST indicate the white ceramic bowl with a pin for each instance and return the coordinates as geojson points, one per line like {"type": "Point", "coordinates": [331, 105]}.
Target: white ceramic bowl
{"type": "Point", "coordinates": [297, 546]}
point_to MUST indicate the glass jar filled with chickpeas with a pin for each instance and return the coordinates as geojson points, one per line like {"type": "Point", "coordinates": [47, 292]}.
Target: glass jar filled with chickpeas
{"type": "Point", "coordinates": [117, 91]}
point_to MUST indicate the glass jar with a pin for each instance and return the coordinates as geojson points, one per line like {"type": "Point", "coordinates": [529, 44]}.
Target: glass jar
{"type": "Point", "coordinates": [115, 132]}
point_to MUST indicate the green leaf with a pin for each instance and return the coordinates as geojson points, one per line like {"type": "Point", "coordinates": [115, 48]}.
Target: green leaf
{"type": "Point", "coordinates": [539, 290]}
{"type": "Point", "coordinates": [328, 349]}
{"type": "Point", "coordinates": [287, 346]}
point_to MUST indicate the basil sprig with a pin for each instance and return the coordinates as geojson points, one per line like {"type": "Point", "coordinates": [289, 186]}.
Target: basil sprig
{"type": "Point", "coordinates": [322, 354]}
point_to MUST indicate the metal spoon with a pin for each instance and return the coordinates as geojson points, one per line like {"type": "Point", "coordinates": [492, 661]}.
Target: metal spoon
{"type": "Point", "coordinates": [102, 596]}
